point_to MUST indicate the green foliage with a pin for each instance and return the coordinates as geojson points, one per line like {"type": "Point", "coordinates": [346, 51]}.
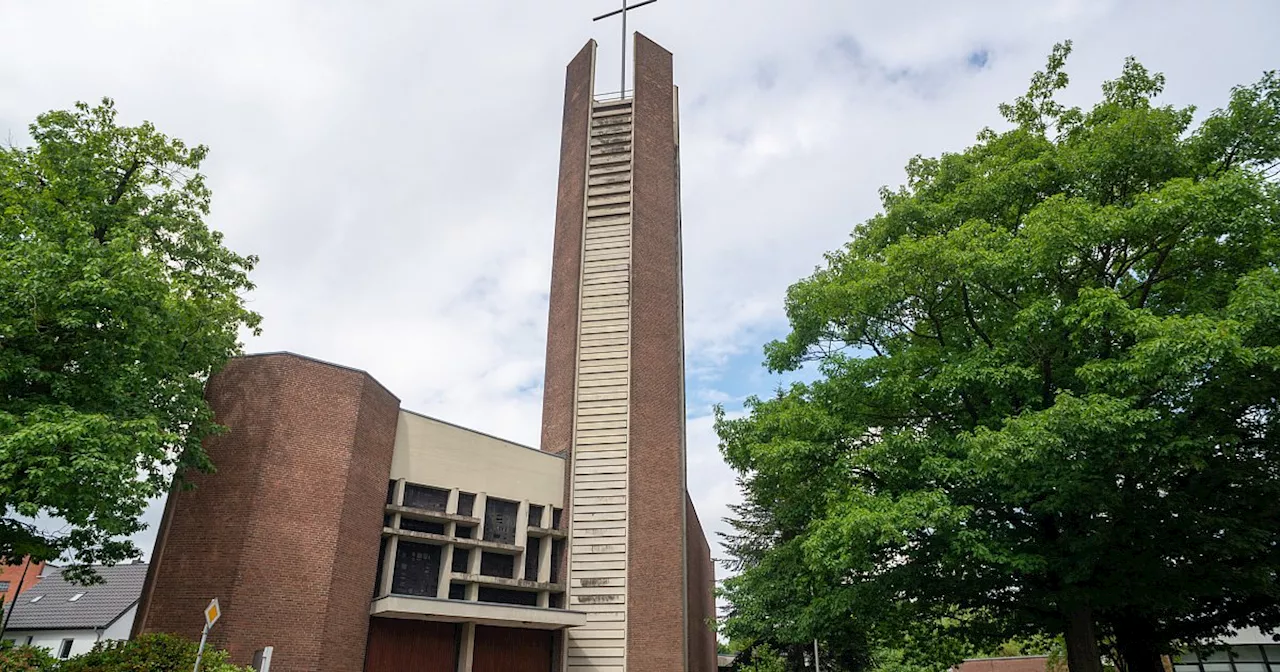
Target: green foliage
{"type": "Point", "coordinates": [116, 304]}
{"type": "Point", "coordinates": [1048, 384]}
{"type": "Point", "coordinates": [764, 659]}
{"type": "Point", "coordinates": [149, 653]}
{"type": "Point", "coordinates": [25, 659]}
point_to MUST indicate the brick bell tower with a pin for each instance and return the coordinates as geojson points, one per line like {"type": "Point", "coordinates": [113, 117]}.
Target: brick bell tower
{"type": "Point", "coordinates": [638, 562]}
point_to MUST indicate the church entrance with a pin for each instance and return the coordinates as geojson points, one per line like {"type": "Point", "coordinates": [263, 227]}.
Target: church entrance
{"type": "Point", "coordinates": [511, 650]}
{"type": "Point", "coordinates": [400, 645]}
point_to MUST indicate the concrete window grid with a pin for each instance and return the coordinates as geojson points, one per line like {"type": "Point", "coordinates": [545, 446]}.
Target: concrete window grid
{"type": "Point", "coordinates": [540, 526]}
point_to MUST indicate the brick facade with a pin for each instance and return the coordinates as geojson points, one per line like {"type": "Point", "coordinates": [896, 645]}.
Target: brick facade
{"type": "Point", "coordinates": [701, 600]}
{"type": "Point", "coordinates": [285, 533]}
{"type": "Point", "coordinates": [26, 573]}
{"type": "Point", "coordinates": [656, 618]}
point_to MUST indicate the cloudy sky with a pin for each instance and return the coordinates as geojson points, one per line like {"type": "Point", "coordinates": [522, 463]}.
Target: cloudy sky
{"type": "Point", "coordinates": [393, 162]}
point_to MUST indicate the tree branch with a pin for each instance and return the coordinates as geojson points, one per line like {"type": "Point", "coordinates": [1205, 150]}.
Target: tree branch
{"type": "Point", "coordinates": [968, 313]}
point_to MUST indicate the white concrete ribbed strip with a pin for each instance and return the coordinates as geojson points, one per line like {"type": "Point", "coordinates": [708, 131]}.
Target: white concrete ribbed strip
{"type": "Point", "coordinates": [598, 529]}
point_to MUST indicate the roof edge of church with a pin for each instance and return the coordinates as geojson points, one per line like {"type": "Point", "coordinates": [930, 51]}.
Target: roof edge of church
{"type": "Point", "coordinates": [476, 431]}
{"type": "Point", "coordinates": [317, 360]}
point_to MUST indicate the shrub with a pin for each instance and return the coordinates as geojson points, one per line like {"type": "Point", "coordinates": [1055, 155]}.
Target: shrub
{"type": "Point", "coordinates": [148, 653]}
{"type": "Point", "coordinates": [25, 659]}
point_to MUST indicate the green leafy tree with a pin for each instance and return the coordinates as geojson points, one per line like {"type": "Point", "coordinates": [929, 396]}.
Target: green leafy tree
{"type": "Point", "coordinates": [1047, 389]}
{"type": "Point", "coordinates": [116, 304]}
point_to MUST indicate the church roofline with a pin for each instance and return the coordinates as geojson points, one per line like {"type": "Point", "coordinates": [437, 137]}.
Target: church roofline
{"type": "Point", "coordinates": [317, 360]}
{"type": "Point", "coordinates": [287, 353]}
{"type": "Point", "coordinates": [476, 431]}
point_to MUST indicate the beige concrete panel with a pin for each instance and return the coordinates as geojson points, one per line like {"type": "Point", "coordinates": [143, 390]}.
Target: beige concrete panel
{"type": "Point", "coordinates": [436, 453]}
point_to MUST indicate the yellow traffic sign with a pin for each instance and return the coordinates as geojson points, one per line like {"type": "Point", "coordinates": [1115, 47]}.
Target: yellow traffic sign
{"type": "Point", "coordinates": [211, 613]}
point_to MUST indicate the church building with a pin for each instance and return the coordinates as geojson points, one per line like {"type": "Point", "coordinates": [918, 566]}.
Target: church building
{"type": "Point", "coordinates": [350, 534]}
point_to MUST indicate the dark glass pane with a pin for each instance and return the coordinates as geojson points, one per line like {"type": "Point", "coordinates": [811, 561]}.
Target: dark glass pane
{"type": "Point", "coordinates": [1217, 667]}
{"type": "Point", "coordinates": [466, 504]}
{"type": "Point", "coordinates": [503, 596]}
{"type": "Point", "coordinates": [457, 591]}
{"type": "Point", "coordinates": [555, 518]}
{"type": "Point", "coordinates": [1250, 667]}
{"type": "Point", "coordinates": [1219, 656]}
{"type": "Point", "coordinates": [421, 525]}
{"type": "Point", "coordinates": [417, 569]}
{"type": "Point", "coordinates": [386, 521]}
{"type": "Point", "coordinates": [1272, 652]}
{"type": "Point", "coordinates": [535, 515]}
{"type": "Point", "coordinates": [391, 492]}
{"type": "Point", "coordinates": [1186, 668]}
{"type": "Point", "coordinates": [557, 601]}
{"type": "Point", "coordinates": [382, 554]}
{"type": "Point", "coordinates": [461, 560]}
{"type": "Point", "coordinates": [500, 521]}
{"type": "Point", "coordinates": [423, 497]}
{"type": "Point", "coordinates": [499, 565]}
{"type": "Point", "coordinates": [1247, 653]}
{"type": "Point", "coordinates": [531, 554]}
{"type": "Point", "coordinates": [464, 531]}
{"type": "Point", "coordinates": [557, 555]}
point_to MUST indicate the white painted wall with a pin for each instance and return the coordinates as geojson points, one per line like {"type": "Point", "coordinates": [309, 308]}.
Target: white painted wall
{"type": "Point", "coordinates": [83, 640]}
{"type": "Point", "coordinates": [52, 639]}
{"type": "Point", "coordinates": [121, 627]}
{"type": "Point", "coordinates": [436, 453]}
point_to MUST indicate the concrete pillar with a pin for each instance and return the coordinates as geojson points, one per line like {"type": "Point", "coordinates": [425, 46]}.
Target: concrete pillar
{"type": "Point", "coordinates": [389, 554]}
{"type": "Point", "coordinates": [522, 537]}
{"type": "Point", "coordinates": [473, 590]}
{"type": "Point", "coordinates": [466, 647]}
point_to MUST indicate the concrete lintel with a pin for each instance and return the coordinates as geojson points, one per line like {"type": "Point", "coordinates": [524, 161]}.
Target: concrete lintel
{"type": "Point", "coordinates": [459, 611]}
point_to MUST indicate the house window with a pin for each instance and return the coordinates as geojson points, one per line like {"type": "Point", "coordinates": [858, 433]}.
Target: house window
{"type": "Point", "coordinates": [461, 561]}
{"type": "Point", "coordinates": [557, 556]}
{"type": "Point", "coordinates": [423, 497]}
{"type": "Point", "coordinates": [466, 504]}
{"type": "Point", "coordinates": [531, 554]}
{"type": "Point", "coordinates": [4, 586]}
{"type": "Point", "coordinates": [1241, 658]}
{"type": "Point", "coordinates": [417, 570]}
{"type": "Point", "coordinates": [497, 564]}
{"type": "Point", "coordinates": [75, 597]}
{"type": "Point", "coordinates": [504, 596]}
{"type": "Point", "coordinates": [500, 521]}
{"type": "Point", "coordinates": [421, 526]}
{"type": "Point", "coordinates": [37, 598]}
{"type": "Point", "coordinates": [64, 651]}
{"type": "Point", "coordinates": [535, 515]}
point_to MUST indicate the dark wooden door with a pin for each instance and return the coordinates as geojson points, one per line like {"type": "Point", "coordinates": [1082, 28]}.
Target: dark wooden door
{"type": "Point", "coordinates": [511, 650]}
{"type": "Point", "coordinates": [399, 645]}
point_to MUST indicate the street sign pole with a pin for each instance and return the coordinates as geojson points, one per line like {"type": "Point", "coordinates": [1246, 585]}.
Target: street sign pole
{"type": "Point", "coordinates": [200, 652]}
{"type": "Point", "coordinates": [211, 614]}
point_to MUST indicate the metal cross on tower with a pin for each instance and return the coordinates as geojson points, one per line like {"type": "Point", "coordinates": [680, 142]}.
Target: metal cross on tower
{"type": "Point", "coordinates": [625, 8]}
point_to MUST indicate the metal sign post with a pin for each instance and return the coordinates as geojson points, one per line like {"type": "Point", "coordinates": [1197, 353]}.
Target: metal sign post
{"type": "Point", "coordinates": [211, 614]}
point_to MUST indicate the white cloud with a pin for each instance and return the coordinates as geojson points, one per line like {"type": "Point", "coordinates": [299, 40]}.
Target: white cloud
{"type": "Point", "coordinates": [394, 163]}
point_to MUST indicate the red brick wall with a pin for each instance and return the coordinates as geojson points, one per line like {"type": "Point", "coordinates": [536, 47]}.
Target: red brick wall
{"type": "Point", "coordinates": [656, 626]}
{"type": "Point", "coordinates": [701, 600]}
{"type": "Point", "coordinates": [13, 574]}
{"type": "Point", "coordinates": [566, 259]}
{"type": "Point", "coordinates": [285, 533]}
{"type": "Point", "coordinates": [1018, 664]}
{"type": "Point", "coordinates": [566, 274]}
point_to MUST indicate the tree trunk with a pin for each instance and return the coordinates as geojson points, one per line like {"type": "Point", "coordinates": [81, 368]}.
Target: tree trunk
{"type": "Point", "coordinates": [1137, 646]}
{"type": "Point", "coordinates": [1082, 642]}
